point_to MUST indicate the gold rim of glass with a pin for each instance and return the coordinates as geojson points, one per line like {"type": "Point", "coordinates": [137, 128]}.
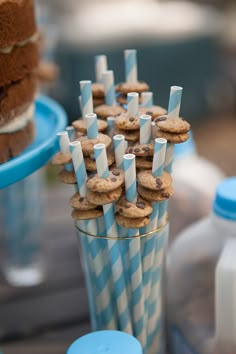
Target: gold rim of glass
{"type": "Point", "coordinates": [161, 227]}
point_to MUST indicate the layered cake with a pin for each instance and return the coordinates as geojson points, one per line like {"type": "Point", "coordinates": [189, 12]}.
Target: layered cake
{"type": "Point", "coordinates": [19, 57]}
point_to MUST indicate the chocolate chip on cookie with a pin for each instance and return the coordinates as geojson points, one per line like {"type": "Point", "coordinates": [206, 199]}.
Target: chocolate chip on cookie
{"type": "Point", "coordinates": [80, 125]}
{"type": "Point", "coordinates": [88, 144]}
{"type": "Point", "coordinates": [172, 125]}
{"type": "Point", "coordinates": [99, 198]}
{"type": "Point", "coordinates": [103, 185]}
{"type": "Point", "coordinates": [90, 162]}
{"type": "Point", "coordinates": [147, 180]}
{"type": "Point", "coordinates": [138, 209]}
{"type": "Point", "coordinates": [141, 150]}
{"type": "Point", "coordinates": [105, 111]}
{"type": "Point", "coordinates": [154, 111]}
{"type": "Point", "coordinates": [130, 135]}
{"type": "Point", "coordinates": [81, 203]}
{"type": "Point", "coordinates": [174, 138]}
{"type": "Point", "coordinates": [126, 122]}
{"type": "Point", "coordinates": [133, 223]}
{"type": "Point", "coordinates": [86, 214]}
{"type": "Point", "coordinates": [156, 196]}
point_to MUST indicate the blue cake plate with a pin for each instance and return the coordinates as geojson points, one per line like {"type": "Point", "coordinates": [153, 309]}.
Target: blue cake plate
{"type": "Point", "coordinates": [50, 118]}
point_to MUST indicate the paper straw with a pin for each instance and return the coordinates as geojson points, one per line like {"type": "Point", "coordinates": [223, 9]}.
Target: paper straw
{"type": "Point", "coordinates": [79, 167]}
{"type": "Point", "coordinates": [119, 149]}
{"type": "Point", "coordinates": [101, 160]}
{"type": "Point", "coordinates": [114, 251]}
{"type": "Point", "coordinates": [173, 112]}
{"type": "Point", "coordinates": [97, 263]}
{"type": "Point", "coordinates": [87, 98]}
{"type": "Point", "coordinates": [109, 86]}
{"type": "Point", "coordinates": [100, 66]}
{"type": "Point", "coordinates": [154, 129]}
{"type": "Point", "coordinates": [149, 246]}
{"type": "Point", "coordinates": [64, 142]}
{"type": "Point", "coordinates": [133, 103]}
{"type": "Point", "coordinates": [130, 177]}
{"type": "Point", "coordinates": [71, 132]}
{"type": "Point", "coordinates": [159, 157]}
{"type": "Point", "coordinates": [147, 99]}
{"type": "Point", "coordinates": [155, 322]}
{"type": "Point", "coordinates": [135, 256]}
{"type": "Point", "coordinates": [145, 129]}
{"type": "Point", "coordinates": [169, 157]}
{"type": "Point", "coordinates": [111, 125]}
{"type": "Point", "coordinates": [91, 125]}
{"type": "Point", "coordinates": [175, 101]}
{"type": "Point", "coordinates": [131, 70]}
{"type": "Point", "coordinates": [89, 277]}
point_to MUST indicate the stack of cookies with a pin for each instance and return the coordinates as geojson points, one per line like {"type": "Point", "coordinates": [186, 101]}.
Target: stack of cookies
{"type": "Point", "coordinates": [98, 94]}
{"type": "Point", "coordinates": [19, 58]}
{"type": "Point", "coordinates": [124, 88]}
{"type": "Point", "coordinates": [174, 130]}
{"type": "Point", "coordinates": [127, 123]}
{"type": "Point", "coordinates": [133, 215]}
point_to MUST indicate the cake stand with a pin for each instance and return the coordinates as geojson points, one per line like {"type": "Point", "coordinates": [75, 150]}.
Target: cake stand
{"type": "Point", "coordinates": [50, 118]}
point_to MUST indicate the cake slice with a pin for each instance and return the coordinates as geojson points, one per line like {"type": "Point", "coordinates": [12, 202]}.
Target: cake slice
{"type": "Point", "coordinates": [19, 58]}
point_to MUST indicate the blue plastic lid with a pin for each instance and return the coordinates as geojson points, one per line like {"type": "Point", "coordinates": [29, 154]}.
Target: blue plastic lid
{"type": "Point", "coordinates": [225, 200]}
{"type": "Point", "coordinates": [106, 342]}
{"type": "Point", "coordinates": [186, 148]}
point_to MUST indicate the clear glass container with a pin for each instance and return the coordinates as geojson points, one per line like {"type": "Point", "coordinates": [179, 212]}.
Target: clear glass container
{"type": "Point", "coordinates": [201, 269]}
{"type": "Point", "coordinates": [124, 282]}
{"type": "Point", "coordinates": [21, 220]}
{"type": "Point", "coordinates": [195, 180]}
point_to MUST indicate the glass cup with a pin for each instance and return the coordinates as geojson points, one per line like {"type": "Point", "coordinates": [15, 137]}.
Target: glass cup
{"type": "Point", "coordinates": [20, 220]}
{"type": "Point", "coordinates": [124, 282]}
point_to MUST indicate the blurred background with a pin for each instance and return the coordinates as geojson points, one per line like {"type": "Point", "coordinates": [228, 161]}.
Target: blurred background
{"type": "Point", "coordinates": [187, 43]}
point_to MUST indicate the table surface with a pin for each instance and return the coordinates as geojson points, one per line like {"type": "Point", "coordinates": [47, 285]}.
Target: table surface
{"type": "Point", "coordinates": [47, 318]}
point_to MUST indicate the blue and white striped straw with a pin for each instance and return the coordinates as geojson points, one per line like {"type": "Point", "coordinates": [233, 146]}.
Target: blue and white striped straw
{"type": "Point", "coordinates": [149, 247]}
{"type": "Point", "coordinates": [147, 99]}
{"type": "Point", "coordinates": [131, 70]}
{"type": "Point", "coordinates": [145, 129]}
{"type": "Point", "coordinates": [110, 126]}
{"type": "Point", "coordinates": [115, 255]}
{"type": "Point", "coordinates": [159, 157]}
{"type": "Point", "coordinates": [133, 103]}
{"type": "Point", "coordinates": [100, 67]}
{"type": "Point", "coordinates": [91, 125]}
{"type": "Point", "coordinates": [173, 112]}
{"type": "Point", "coordinates": [98, 267]}
{"type": "Point", "coordinates": [71, 132]}
{"type": "Point", "coordinates": [175, 101]}
{"type": "Point", "coordinates": [130, 177]}
{"type": "Point", "coordinates": [101, 160]}
{"type": "Point", "coordinates": [79, 167]}
{"type": "Point", "coordinates": [64, 142]}
{"type": "Point", "coordinates": [109, 86]}
{"type": "Point", "coordinates": [135, 259]}
{"type": "Point", "coordinates": [86, 95]}
{"type": "Point", "coordinates": [155, 322]}
{"type": "Point", "coordinates": [119, 149]}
